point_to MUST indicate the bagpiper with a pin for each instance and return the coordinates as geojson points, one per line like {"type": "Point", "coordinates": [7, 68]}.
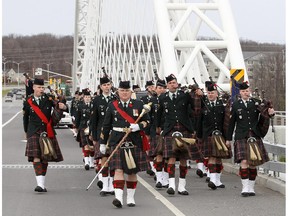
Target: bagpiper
{"type": "Point", "coordinates": [248, 114]}
{"type": "Point", "coordinates": [131, 157]}
{"type": "Point", "coordinates": [151, 130]}
{"type": "Point", "coordinates": [100, 104]}
{"type": "Point", "coordinates": [84, 110]}
{"type": "Point", "coordinates": [73, 109]}
{"type": "Point", "coordinates": [42, 146]}
{"type": "Point", "coordinates": [210, 131]}
{"type": "Point", "coordinates": [175, 123]}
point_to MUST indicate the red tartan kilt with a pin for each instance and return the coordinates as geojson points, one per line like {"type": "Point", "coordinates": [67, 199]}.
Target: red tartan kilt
{"type": "Point", "coordinates": [97, 153]}
{"type": "Point", "coordinates": [208, 149]}
{"type": "Point", "coordinates": [168, 145]}
{"type": "Point", "coordinates": [84, 139]}
{"type": "Point", "coordinates": [33, 148]}
{"type": "Point", "coordinates": [153, 144]}
{"type": "Point", "coordinates": [241, 151]}
{"type": "Point", "coordinates": [140, 158]}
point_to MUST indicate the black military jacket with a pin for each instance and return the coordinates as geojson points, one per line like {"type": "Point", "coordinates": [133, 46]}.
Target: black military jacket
{"type": "Point", "coordinates": [245, 118]}
{"type": "Point", "coordinates": [83, 115]}
{"type": "Point", "coordinates": [32, 123]}
{"type": "Point", "coordinates": [212, 118]}
{"type": "Point", "coordinates": [114, 119]}
{"type": "Point", "coordinates": [171, 112]}
{"type": "Point", "coordinates": [97, 117]}
{"type": "Point", "coordinates": [74, 106]}
{"type": "Point", "coordinates": [151, 130]}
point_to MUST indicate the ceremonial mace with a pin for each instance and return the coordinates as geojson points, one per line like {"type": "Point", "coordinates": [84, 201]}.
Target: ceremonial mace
{"type": "Point", "coordinates": [146, 109]}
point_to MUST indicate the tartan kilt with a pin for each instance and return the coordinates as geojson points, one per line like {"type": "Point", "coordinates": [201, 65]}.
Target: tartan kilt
{"type": "Point", "coordinates": [209, 149]}
{"type": "Point", "coordinates": [97, 153]}
{"type": "Point", "coordinates": [33, 148]}
{"type": "Point", "coordinates": [84, 139]}
{"type": "Point", "coordinates": [141, 159]}
{"type": "Point", "coordinates": [153, 144]}
{"type": "Point", "coordinates": [241, 151]}
{"type": "Point", "coordinates": [168, 151]}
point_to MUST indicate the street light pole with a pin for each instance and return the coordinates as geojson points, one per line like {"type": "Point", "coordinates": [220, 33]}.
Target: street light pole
{"type": "Point", "coordinates": [18, 63]}
{"type": "Point", "coordinates": [73, 81]}
{"type": "Point", "coordinates": [48, 65]}
{"type": "Point", "coordinates": [4, 71]}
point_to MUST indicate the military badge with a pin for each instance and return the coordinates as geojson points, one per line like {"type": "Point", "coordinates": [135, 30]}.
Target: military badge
{"type": "Point", "coordinates": [135, 112]}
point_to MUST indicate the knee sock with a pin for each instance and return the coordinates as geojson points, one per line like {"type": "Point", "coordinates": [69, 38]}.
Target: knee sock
{"type": "Point", "coordinates": [183, 171]}
{"type": "Point", "coordinates": [171, 170]}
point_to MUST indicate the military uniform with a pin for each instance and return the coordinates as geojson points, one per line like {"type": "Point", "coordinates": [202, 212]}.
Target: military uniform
{"type": "Point", "coordinates": [248, 145]}
{"type": "Point", "coordinates": [82, 124]}
{"type": "Point", "coordinates": [100, 104]}
{"type": "Point", "coordinates": [247, 126]}
{"type": "Point", "coordinates": [131, 156]}
{"type": "Point", "coordinates": [34, 126]}
{"type": "Point", "coordinates": [38, 123]}
{"type": "Point", "coordinates": [173, 116]}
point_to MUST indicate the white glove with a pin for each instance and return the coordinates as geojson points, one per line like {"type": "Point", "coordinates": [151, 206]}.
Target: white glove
{"type": "Point", "coordinates": [134, 127]}
{"type": "Point", "coordinates": [73, 118]}
{"type": "Point", "coordinates": [102, 148]}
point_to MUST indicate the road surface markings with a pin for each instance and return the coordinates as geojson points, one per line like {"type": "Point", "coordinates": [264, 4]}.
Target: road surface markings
{"type": "Point", "coordinates": [158, 196]}
{"type": "Point", "coordinates": [11, 119]}
{"type": "Point", "coordinates": [29, 166]}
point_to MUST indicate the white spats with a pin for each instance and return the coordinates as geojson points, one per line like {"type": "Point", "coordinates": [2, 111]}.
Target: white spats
{"type": "Point", "coordinates": [40, 181]}
{"type": "Point", "coordinates": [130, 196]}
{"type": "Point", "coordinates": [245, 187]}
{"type": "Point", "coordinates": [119, 195]}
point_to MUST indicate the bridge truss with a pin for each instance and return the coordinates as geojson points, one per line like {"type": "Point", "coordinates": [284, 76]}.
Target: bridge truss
{"type": "Point", "coordinates": [130, 40]}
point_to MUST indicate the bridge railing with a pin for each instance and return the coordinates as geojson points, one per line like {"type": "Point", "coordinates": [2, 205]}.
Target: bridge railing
{"type": "Point", "coordinates": [276, 166]}
{"type": "Point", "coordinates": [279, 118]}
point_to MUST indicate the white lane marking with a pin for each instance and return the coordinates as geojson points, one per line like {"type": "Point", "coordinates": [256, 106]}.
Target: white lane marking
{"type": "Point", "coordinates": [11, 119]}
{"type": "Point", "coordinates": [158, 196]}
{"type": "Point", "coordinates": [30, 166]}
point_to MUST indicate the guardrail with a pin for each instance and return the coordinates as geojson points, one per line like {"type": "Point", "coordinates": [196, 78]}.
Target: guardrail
{"type": "Point", "coordinates": [276, 151]}
{"type": "Point", "coordinates": [279, 118]}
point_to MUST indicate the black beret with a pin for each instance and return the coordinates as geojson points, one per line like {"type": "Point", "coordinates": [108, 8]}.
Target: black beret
{"type": "Point", "coordinates": [243, 85]}
{"type": "Point", "coordinates": [38, 81]}
{"type": "Point", "coordinates": [170, 78]}
{"type": "Point", "coordinates": [149, 83]}
{"type": "Point", "coordinates": [135, 86]}
{"type": "Point", "coordinates": [161, 83]}
{"type": "Point", "coordinates": [104, 80]}
{"type": "Point", "coordinates": [124, 84]}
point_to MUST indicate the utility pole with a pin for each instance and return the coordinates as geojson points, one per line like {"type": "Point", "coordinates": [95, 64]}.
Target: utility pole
{"type": "Point", "coordinates": [4, 71]}
{"type": "Point", "coordinates": [48, 67]}
{"type": "Point", "coordinates": [18, 63]}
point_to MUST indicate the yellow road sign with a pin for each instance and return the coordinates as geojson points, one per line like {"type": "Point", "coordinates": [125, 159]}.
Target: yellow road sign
{"type": "Point", "coordinates": [237, 74]}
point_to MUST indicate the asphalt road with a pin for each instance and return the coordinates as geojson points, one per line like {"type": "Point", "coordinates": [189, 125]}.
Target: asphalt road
{"type": "Point", "coordinates": [66, 183]}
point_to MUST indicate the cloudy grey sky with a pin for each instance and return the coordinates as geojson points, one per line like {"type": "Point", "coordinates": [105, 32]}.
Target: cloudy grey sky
{"type": "Point", "coordinates": [258, 20]}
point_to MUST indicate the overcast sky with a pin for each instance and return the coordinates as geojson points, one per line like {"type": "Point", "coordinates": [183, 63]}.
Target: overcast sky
{"type": "Point", "coordinates": [258, 20]}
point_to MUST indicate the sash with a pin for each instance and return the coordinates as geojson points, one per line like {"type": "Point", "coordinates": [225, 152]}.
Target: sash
{"type": "Point", "coordinates": [145, 142]}
{"type": "Point", "coordinates": [43, 118]}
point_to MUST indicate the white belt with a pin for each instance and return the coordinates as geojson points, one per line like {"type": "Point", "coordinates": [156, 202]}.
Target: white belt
{"type": "Point", "coordinates": [119, 129]}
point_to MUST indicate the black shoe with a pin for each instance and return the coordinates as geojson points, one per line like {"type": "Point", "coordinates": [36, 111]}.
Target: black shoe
{"type": "Point", "coordinates": [221, 186]}
{"type": "Point", "coordinates": [207, 179]}
{"type": "Point", "coordinates": [40, 189]}
{"type": "Point", "coordinates": [158, 185]}
{"type": "Point", "coordinates": [150, 172]}
{"type": "Point", "coordinates": [245, 194]}
{"type": "Point", "coordinates": [165, 186]}
{"type": "Point", "coordinates": [204, 174]}
{"type": "Point", "coordinates": [111, 193]}
{"type": "Point", "coordinates": [104, 193]}
{"type": "Point", "coordinates": [199, 173]}
{"type": "Point", "coordinates": [87, 167]}
{"type": "Point", "coordinates": [171, 191]}
{"type": "Point", "coordinates": [183, 193]}
{"type": "Point", "coordinates": [117, 203]}
{"type": "Point", "coordinates": [100, 184]}
{"type": "Point", "coordinates": [155, 178]}
{"type": "Point", "coordinates": [252, 194]}
{"type": "Point", "coordinates": [212, 185]}
{"type": "Point", "coordinates": [130, 204]}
